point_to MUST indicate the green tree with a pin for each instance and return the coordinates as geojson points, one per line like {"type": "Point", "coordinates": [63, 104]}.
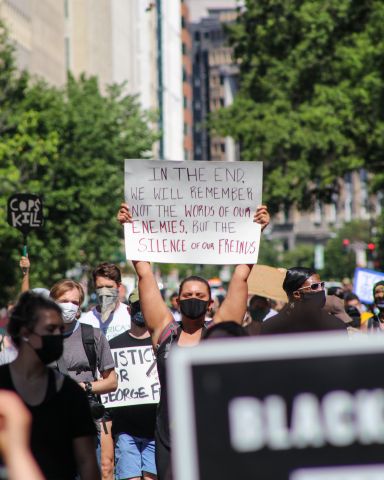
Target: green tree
{"type": "Point", "coordinates": [310, 99]}
{"type": "Point", "coordinates": [67, 145]}
{"type": "Point", "coordinates": [340, 261]}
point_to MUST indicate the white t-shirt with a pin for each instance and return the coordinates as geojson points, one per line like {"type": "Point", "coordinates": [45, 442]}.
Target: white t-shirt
{"type": "Point", "coordinates": [118, 322]}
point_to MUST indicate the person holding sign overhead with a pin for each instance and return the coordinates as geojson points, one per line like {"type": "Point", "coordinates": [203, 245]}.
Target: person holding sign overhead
{"type": "Point", "coordinates": [194, 300]}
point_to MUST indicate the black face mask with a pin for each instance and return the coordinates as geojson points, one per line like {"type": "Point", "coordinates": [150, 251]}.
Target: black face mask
{"type": "Point", "coordinates": [193, 307]}
{"type": "Point", "coordinates": [51, 349]}
{"type": "Point", "coordinates": [314, 300]}
{"type": "Point", "coordinates": [259, 314]}
{"type": "Point", "coordinates": [138, 319]}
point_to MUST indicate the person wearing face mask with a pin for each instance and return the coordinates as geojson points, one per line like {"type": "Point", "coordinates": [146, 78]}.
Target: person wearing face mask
{"type": "Point", "coordinates": [305, 310]}
{"type": "Point", "coordinates": [63, 433]}
{"type": "Point", "coordinates": [376, 322]}
{"type": "Point", "coordinates": [69, 295]}
{"type": "Point", "coordinates": [133, 426]}
{"type": "Point", "coordinates": [194, 300]}
{"type": "Point", "coordinates": [259, 310]}
{"type": "Point", "coordinates": [112, 318]}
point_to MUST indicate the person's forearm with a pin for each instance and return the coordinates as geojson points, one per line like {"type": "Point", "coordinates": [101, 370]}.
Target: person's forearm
{"type": "Point", "coordinates": [103, 385]}
{"type": "Point", "coordinates": [21, 464]}
{"type": "Point", "coordinates": [25, 282]}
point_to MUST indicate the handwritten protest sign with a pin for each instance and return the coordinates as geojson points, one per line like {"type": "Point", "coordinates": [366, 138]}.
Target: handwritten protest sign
{"type": "Point", "coordinates": [137, 378]}
{"type": "Point", "coordinates": [25, 212]}
{"type": "Point", "coordinates": [193, 212]}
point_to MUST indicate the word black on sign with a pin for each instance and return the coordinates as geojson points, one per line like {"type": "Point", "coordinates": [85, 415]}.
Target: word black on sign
{"type": "Point", "coordinates": [25, 212]}
{"type": "Point", "coordinates": [301, 407]}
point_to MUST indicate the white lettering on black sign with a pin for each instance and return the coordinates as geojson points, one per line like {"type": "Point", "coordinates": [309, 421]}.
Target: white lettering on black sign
{"type": "Point", "coordinates": [25, 212]}
{"type": "Point", "coordinates": [339, 419]}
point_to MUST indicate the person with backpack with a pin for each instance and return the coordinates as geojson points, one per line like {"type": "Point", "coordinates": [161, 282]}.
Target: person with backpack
{"type": "Point", "coordinates": [194, 300]}
{"type": "Point", "coordinates": [86, 350]}
{"type": "Point", "coordinates": [112, 317]}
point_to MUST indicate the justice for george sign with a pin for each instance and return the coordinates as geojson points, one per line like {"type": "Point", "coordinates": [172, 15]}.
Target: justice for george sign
{"type": "Point", "coordinates": [193, 212]}
{"type": "Point", "coordinates": [137, 377]}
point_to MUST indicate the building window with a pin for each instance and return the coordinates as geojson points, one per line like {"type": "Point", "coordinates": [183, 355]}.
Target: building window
{"type": "Point", "coordinates": [185, 102]}
{"type": "Point", "coordinates": [182, 22]}
{"type": "Point", "coordinates": [184, 48]}
{"type": "Point", "coordinates": [197, 36]}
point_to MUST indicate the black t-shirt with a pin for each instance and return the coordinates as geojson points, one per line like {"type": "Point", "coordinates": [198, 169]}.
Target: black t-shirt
{"type": "Point", "coordinates": [136, 420]}
{"type": "Point", "coordinates": [298, 321]}
{"type": "Point", "coordinates": [56, 422]}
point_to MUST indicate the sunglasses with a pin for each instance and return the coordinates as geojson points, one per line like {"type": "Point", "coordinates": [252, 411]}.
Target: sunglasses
{"type": "Point", "coordinates": [314, 287]}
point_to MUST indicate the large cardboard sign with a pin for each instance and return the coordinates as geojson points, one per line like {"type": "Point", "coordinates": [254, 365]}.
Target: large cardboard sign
{"type": "Point", "coordinates": [138, 381]}
{"type": "Point", "coordinates": [363, 282]}
{"type": "Point", "coordinates": [25, 212]}
{"type": "Point", "coordinates": [193, 212]}
{"type": "Point", "coordinates": [289, 407]}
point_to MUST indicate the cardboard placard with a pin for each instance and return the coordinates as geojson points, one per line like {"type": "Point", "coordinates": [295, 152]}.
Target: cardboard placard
{"type": "Point", "coordinates": [138, 381]}
{"type": "Point", "coordinates": [193, 212]}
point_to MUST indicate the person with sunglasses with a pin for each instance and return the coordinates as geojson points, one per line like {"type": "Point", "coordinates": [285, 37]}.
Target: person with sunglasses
{"type": "Point", "coordinates": [304, 311]}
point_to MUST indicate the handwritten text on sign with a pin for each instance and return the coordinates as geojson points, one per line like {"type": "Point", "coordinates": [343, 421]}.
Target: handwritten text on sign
{"type": "Point", "coordinates": [193, 212]}
{"type": "Point", "coordinates": [137, 378]}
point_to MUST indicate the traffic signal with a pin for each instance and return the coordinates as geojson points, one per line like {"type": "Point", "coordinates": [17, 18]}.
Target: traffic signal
{"type": "Point", "coordinates": [371, 247]}
{"type": "Point", "coordinates": [346, 244]}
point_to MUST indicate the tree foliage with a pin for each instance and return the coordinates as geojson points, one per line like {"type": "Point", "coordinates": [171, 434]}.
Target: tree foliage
{"type": "Point", "coordinates": [67, 145]}
{"type": "Point", "coordinates": [310, 104]}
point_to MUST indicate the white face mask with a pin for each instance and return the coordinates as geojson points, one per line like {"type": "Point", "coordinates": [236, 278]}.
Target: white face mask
{"type": "Point", "coordinates": [69, 311]}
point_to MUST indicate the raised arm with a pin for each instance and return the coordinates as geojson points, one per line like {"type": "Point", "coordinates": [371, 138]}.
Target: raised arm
{"type": "Point", "coordinates": [155, 311]}
{"type": "Point", "coordinates": [25, 266]}
{"type": "Point", "coordinates": [234, 305]}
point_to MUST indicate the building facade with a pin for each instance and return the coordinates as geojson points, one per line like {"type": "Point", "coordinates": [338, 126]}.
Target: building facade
{"type": "Point", "coordinates": [214, 79]}
{"type": "Point", "coordinates": [37, 29]}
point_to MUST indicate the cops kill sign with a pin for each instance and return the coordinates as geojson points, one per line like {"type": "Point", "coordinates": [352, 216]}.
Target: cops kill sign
{"type": "Point", "coordinates": [303, 407]}
{"type": "Point", "coordinates": [25, 212]}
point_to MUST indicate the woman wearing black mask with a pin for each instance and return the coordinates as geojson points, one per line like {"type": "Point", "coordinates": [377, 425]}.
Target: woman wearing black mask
{"type": "Point", "coordinates": [304, 312]}
{"type": "Point", "coordinates": [63, 433]}
{"type": "Point", "coordinates": [194, 302]}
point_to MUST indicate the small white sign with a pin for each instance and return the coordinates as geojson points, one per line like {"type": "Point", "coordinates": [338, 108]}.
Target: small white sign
{"type": "Point", "coordinates": [138, 381]}
{"type": "Point", "coordinates": [364, 281]}
{"type": "Point", "coordinates": [193, 212]}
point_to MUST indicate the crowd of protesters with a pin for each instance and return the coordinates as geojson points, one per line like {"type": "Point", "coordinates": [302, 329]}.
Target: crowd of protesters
{"type": "Point", "coordinates": [56, 360]}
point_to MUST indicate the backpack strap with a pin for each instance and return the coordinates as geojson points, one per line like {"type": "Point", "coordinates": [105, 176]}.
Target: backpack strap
{"type": "Point", "coordinates": [171, 329]}
{"type": "Point", "coordinates": [88, 338]}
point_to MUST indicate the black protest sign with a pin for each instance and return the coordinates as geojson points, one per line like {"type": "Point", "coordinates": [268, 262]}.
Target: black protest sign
{"type": "Point", "coordinates": [307, 407]}
{"type": "Point", "coordinates": [25, 212]}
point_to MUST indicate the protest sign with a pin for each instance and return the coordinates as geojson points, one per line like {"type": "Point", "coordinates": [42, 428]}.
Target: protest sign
{"type": "Point", "coordinates": [267, 282]}
{"type": "Point", "coordinates": [289, 407]}
{"type": "Point", "coordinates": [363, 282]}
{"type": "Point", "coordinates": [138, 381]}
{"type": "Point", "coordinates": [193, 212]}
{"type": "Point", "coordinates": [25, 212]}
